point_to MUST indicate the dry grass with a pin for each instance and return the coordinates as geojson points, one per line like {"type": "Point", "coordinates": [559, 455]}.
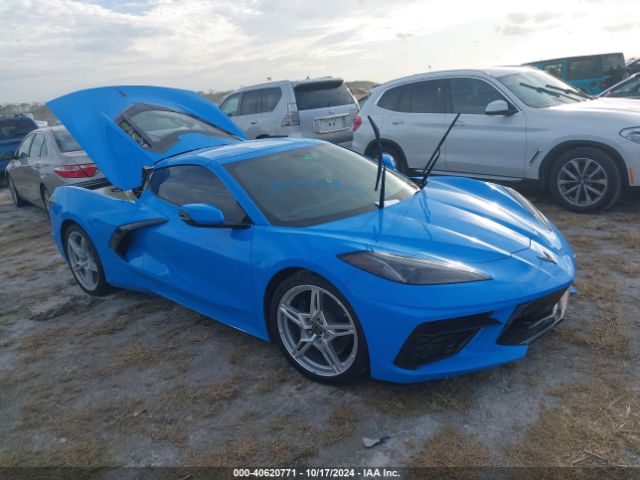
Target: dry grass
{"type": "Point", "coordinates": [596, 424]}
{"type": "Point", "coordinates": [449, 448]}
{"type": "Point", "coordinates": [409, 400]}
{"type": "Point", "coordinates": [340, 424]}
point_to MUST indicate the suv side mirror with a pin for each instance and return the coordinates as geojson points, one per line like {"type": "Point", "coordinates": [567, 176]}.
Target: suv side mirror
{"type": "Point", "coordinates": [498, 107]}
{"type": "Point", "coordinates": [201, 215]}
{"type": "Point", "coordinates": [8, 155]}
{"type": "Point", "coordinates": [389, 161]}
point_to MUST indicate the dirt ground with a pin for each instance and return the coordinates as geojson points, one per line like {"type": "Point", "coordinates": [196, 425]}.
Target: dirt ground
{"type": "Point", "coordinates": [132, 379]}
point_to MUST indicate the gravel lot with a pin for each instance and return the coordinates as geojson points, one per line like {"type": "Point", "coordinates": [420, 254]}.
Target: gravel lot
{"type": "Point", "coordinates": [132, 379]}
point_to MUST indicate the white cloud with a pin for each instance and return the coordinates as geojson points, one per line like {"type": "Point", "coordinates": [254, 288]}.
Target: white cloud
{"type": "Point", "coordinates": [63, 45]}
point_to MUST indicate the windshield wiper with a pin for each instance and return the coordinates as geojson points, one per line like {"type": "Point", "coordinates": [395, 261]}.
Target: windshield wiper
{"type": "Point", "coordinates": [382, 168]}
{"type": "Point", "coordinates": [435, 155]}
{"type": "Point", "coordinates": [569, 91]}
{"type": "Point", "coordinates": [547, 91]}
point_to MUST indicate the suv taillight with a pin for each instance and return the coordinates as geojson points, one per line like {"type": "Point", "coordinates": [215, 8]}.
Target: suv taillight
{"type": "Point", "coordinates": [292, 117]}
{"type": "Point", "coordinates": [76, 171]}
{"type": "Point", "coordinates": [357, 122]}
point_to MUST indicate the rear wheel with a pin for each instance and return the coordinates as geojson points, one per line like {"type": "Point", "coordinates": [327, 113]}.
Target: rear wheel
{"type": "Point", "coordinates": [317, 330]}
{"type": "Point", "coordinates": [15, 196]}
{"type": "Point", "coordinates": [84, 262]}
{"type": "Point", "coordinates": [46, 199]}
{"type": "Point", "coordinates": [372, 152]}
{"type": "Point", "coordinates": [585, 180]}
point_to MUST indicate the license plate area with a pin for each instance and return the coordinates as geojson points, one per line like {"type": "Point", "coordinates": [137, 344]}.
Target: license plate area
{"type": "Point", "coordinates": [329, 124]}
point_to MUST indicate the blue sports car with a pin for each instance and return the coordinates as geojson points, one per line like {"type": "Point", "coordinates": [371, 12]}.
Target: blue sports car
{"type": "Point", "coordinates": [289, 241]}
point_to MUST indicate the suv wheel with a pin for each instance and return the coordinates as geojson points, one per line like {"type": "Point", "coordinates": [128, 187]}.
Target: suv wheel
{"type": "Point", "coordinates": [585, 180]}
{"type": "Point", "coordinates": [372, 152]}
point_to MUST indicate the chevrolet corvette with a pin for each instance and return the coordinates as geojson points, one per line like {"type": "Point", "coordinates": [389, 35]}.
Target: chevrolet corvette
{"type": "Point", "coordinates": [290, 240]}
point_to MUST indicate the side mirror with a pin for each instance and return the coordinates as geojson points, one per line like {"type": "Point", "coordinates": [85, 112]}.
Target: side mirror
{"type": "Point", "coordinates": [389, 161]}
{"type": "Point", "coordinates": [8, 155]}
{"type": "Point", "coordinates": [498, 107]}
{"type": "Point", "coordinates": [201, 215]}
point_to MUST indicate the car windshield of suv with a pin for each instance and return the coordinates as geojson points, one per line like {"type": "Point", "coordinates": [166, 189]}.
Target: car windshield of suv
{"type": "Point", "coordinates": [66, 143]}
{"type": "Point", "coordinates": [628, 88]}
{"type": "Point", "coordinates": [15, 128]}
{"type": "Point", "coordinates": [539, 89]}
{"type": "Point", "coordinates": [314, 185]}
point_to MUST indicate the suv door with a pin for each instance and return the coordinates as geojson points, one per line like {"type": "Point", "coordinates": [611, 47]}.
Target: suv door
{"type": "Point", "coordinates": [257, 112]}
{"type": "Point", "coordinates": [416, 123]}
{"type": "Point", "coordinates": [208, 265]}
{"type": "Point", "coordinates": [493, 145]}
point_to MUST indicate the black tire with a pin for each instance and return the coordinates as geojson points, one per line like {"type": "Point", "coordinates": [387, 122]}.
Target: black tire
{"type": "Point", "coordinates": [101, 287]}
{"type": "Point", "coordinates": [600, 174]}
{"type": "Point", "coordinates": [18, 201]}
{"type": "Point", "coordinates": [401, 163]}
{"type": "Point", "coordinates": [359, 359]}
{"type": "Point", "coordinates": [45, 196]}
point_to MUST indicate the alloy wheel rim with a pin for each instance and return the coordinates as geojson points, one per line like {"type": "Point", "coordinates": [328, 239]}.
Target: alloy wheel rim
{"type": "Point", "coordinates": [82, 261]}
{"type": "Point", "coordinates": [317, 330]}
{"type": "Point", "coordinates": [582, 182]}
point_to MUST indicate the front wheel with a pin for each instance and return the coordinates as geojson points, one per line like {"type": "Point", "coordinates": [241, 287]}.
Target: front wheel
{"type": "Point", "coordinates": [585, 180]}
{"type": "Point", "coordinates": [317, 330]}
{"type": "Point", "coordinates": [46, 200]}
{"type": "Point", "coordinates": [84, 262]}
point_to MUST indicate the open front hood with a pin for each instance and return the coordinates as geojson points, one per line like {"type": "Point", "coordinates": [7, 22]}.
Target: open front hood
{"type": "Point", "coordinates": [107, 124]}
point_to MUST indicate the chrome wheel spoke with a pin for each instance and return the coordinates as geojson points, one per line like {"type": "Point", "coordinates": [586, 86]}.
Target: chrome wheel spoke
{"type": "Point", "coordinates": [582, 181]}
{"type": "Point", "coordinates": [83, 261]}
{"type": "Point", "coordinates": [315, 308]}
{"type": "Point", "coordinates": [340, 330]}
{"type": "Point", "coordinates": [303, 345]}
{"type": "Point", "coordinates": [293, 315]}
{"type": "Point", "coordinates": [330, 356]}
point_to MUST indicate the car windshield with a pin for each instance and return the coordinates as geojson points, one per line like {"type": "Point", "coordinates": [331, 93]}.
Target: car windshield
{"type": "Point", "coordinates": [539, 89]}
{"type": "Point", "coordinates": [15, 128]}
{"type": "Point", "coordinates": [65, 142]}
{"type": "Point", "coordinates": [314, 185]}
{"type": "Point", "coordinates": [628, 88]}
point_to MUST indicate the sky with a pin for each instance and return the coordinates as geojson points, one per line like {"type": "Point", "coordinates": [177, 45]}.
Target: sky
{"type": "Point", "coordinates": [52, 47]}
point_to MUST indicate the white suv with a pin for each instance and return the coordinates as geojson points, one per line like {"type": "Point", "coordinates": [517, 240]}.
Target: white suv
{"type": "Point", "coordinates": [319, 108]}
{"type": "Point", "coordinates": [516, 123]}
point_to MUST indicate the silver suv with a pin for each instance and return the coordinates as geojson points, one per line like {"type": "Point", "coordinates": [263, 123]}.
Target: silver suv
{"type": "Point", "coordinates": [321, 108]}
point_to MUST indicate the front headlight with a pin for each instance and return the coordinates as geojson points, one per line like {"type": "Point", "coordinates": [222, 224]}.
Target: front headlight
{"type": "Point", "coordinates": [412, 270]}
{"type": "Point", "coordinates": [631, 133]}
{"type": "Point", "coordinates": [529, 207]}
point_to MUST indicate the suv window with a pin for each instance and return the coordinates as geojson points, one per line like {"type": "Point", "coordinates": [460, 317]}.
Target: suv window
{"type": "Point", "coordinates": [13, 128]}
{"type": "Point", "coordinates": [185, 184]}
{"type": "Point", "coordinates": [322, 94]}
{"type": "Point", "coordinates": [231, 105]}
{"type": "Point", "coordinates": [419, 97]}
{"type": "Point", "coordinates": [249, 102]}
{"type": "Point", "coordinates": [23, 151]}
{"type": "Point", "coordinates": [470, 95]}
{"type": "Point", "coordinates": [269, 98]}
{"type": "Point", "coordinates": [37, 146]}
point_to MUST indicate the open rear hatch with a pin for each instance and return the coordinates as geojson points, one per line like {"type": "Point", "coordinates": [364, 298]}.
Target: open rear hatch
{"type": "Point", "coordinates": [125, 128]}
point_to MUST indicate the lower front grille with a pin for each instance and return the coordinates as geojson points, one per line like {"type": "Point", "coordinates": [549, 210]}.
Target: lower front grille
{"type": "Point", "coordinates": [530, 320]}
{"type": "Point", "coordinates": [434, 341]}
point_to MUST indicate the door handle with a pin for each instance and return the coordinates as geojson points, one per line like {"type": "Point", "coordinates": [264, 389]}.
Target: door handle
{"type": "Point", "coordinates": [397, 122]}
{"type": "Point", "coordinates": [254, 122]}
{"type": "Point", "coordinates": [459, 123]}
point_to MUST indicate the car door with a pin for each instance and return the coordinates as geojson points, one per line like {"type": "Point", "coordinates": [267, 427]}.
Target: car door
{"type": "Point", "coordinates": [248, 114]}
{"type": "Point", "coordinates": [265, 122]}
{"type": "Point", "coordinates": [416, 123]}
{"type": "Point", "coordinates": [231, 106]}
{"type": "Point", "coordinates": [205, 265]}
{"type": "Point", "coordinates": [20, 164]}
{"type": "Point", "coordinates": [32, 168]}
{"type": "Point", "coordinates": [493, 145]}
